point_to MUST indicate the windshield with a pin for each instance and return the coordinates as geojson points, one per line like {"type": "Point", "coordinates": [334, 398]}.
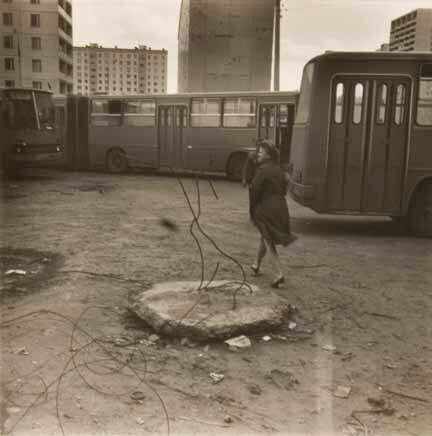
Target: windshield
{"type": "Point", "coordinates": [22, 113]}
{"type": "Point", "coordinates": [305, 95]}
{"type": "Point", "coordinates": [45, 109]}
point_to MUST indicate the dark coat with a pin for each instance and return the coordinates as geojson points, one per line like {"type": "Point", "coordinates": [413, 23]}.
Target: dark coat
{"type": "Point", "coordinates": [269, 207]}
{"type": "Point", "coordinates": [250, 168]}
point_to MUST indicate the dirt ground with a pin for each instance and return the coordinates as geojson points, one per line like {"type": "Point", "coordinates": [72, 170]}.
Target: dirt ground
{"type": "Point", "coordinates": [76, 361]}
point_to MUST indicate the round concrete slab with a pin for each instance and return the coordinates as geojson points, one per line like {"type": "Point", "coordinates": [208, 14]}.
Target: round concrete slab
{"type": "Point", "coordinates": [179, 309]}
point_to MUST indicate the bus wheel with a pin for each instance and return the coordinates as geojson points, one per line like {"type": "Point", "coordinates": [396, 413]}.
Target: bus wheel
{"type": "Point", "coordinates": [420, 213]}
{"type": "Point", "coordinates": [235, 166]}
{"type": "Point", "coordinates": [116, 161]}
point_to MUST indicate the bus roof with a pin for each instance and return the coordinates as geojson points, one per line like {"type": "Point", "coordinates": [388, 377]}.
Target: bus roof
{"type": "Point", "coordinates": [203, 94]}
{"type": "Point", "coordinates": [25, 89]}
{"type": "Point", "coordinates": [373, 56]}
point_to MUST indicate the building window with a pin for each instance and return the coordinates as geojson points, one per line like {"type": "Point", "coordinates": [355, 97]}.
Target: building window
{"type": "Point", "coordinates": [34, 20]}
{"type": "Point", "coordinates": [35, 2]}
{"type": "Point", "coordinates": [36, 66]}
{"type": "Point", "coordinates": [10, 83]}
{"type": "Point", "coordinates": [9, 64]}
{"type": "Point", "coordinates": [424, 101]}
{"type": "Point", "coordinates": [239, 112]}
{"type": "Point", "coordinates": [7, 19]}
{"type": "Point", "coordinates": [8, 41]}
{"type": "Point", "coordinates": [36, 43]}
{"type": "Point", "coordinates": [7, 1]}
{"type": "Point", "coordinates": [37, 85]}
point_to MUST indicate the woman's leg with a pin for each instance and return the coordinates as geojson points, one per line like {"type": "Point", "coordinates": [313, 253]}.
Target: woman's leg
{"type": "Point", "coordinates": [262, 250]}
{"type": "Point", "coordinates": [274, 258]}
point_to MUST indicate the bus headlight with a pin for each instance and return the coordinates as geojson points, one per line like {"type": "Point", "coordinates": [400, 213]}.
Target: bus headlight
{"type": "Point", "coordinates": [20, 146]}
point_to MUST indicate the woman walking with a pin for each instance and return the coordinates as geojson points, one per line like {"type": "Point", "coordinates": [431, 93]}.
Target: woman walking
{"type": "Point", "coordinates": [270, 210]}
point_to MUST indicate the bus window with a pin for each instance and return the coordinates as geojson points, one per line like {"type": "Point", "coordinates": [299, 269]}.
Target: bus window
{"type": "Point", "coordinates": [339, 103]}
{"type": "Point", "coordinates": [399, 114]}
{"type": "Point", "coordinates": [305, 95]}
{"type": "Point", "coordinates": [424, 102]}
{"type": "Point", "coordinates": [239, 112]}
{"type": "Point", "coordinates": [283, 114]}
{"type": "Point", "coordinates": [21, 110]}
{"type": "Point", "coordinates": [106, 112]}
{"type": "Point", "coordinates": [358, 103]}
{"type": "Point", "coordinates": [206, 112]}
{"type": "Point", "coordinates": [381, 104]}
{"type": "Point", "coordinates": [139, 113]}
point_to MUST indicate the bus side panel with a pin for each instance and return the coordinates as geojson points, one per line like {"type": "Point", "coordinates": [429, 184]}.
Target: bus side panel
{"type": "Point", "coordinates": [139, 144]}
{"type": "Point", "coordinates": [208, 149]}
{"type": "Point", "coordinates": [420, 164]}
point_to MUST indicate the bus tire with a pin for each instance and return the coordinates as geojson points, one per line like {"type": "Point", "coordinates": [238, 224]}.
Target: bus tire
{"type": "Point", "coordinates": [420, 211]}
{"type": "Point", "coordinates": [235, 166]}
{"type": "Point", "coordinates": [116, 161]}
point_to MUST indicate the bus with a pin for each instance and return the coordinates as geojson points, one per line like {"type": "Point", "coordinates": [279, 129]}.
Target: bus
{"type": "Point", "coordinates": [28, 131]}
{"type": "Point", "coordinates": [198, 132]}
{"type": "Point", "coordinates": [362, 137]}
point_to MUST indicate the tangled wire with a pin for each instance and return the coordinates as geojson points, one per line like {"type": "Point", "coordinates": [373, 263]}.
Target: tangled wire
{"type": "Point", "coordinates": [108, 362]}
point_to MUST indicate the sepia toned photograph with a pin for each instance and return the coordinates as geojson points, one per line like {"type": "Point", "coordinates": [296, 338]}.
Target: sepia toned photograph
{"type": "Point", "coordinates": [215, 217]}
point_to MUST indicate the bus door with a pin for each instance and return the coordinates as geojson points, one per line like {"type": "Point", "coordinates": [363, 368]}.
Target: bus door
{"type": "Point", "coordinates": [267, 122]}
{"type": "Point", "coordinates": [284, 125]}
{"type": "Point", "coordinates": [385, 158]}
{"type": "Point", "coordinates": [346, 146]}
{"type": "Point", "coordinates": [172, 120]}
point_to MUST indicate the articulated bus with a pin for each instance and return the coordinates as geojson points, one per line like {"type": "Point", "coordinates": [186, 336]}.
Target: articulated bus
{"type": "Point", "coordinates": [29, 135]}
{"type": "Point", "coordinates": [362, 138]}
{"type": "Point", "coordinates": [199, 132]}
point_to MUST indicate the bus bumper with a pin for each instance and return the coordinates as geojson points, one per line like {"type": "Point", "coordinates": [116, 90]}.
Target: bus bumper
{"type": "Point", "coordinates": [30, 159]}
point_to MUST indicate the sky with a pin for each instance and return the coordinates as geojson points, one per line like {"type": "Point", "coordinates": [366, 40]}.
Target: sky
{"type": "Point", "coordinates": [308, 28]}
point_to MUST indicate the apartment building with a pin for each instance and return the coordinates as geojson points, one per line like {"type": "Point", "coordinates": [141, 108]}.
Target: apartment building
{"type": "Point", "coordinates": [36, 44]}
{"type": "Point", "coordinates": [225, 45]}
{"type": "Point", "coordinates": [118, 71]}
{"type": "Point", "coordinates": [412, 31]}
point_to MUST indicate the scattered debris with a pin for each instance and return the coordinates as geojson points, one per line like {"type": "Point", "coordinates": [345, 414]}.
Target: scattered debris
{"type": "Point", "coordinates": [228, 419]}
{"type": "Point", "coordinates": [137, 396]}
{"type": "Point", "coordinates": [238, 343]}
{"type": "Point", "coordinates": [282, 379]}
{"type": "Point", "coordinates": [22, 350]}
{"type": "Point", "coordinates": [13, 410]}
{"type": "Point", "coordinates": [217, 378]}
{"type": "Point", "coordinates": [153, 338]}
{"type": "Point", "coordinates": [400, 394]}
{"type": "Point", "coordinates": [342, 392]}
{"type": "Point", "coordinates": [329, 347]}
{"type": "Point", "coordinates": [140, 421]}
{"type": "Point", "coordinates": [254, 389]}
{"type": "Point", "coordinates": [266, 338]}
{"type": "Point", "coordinates": [376, 401]}
{"type": "Point", "coordinates": [402, 416]}
{"type": "Point", "coordinates": [185, 342]}
{"type": "Point", "coordinates": [19, 272]}
{"type": "Point", "coordinates": [168, 224]}
{"type": "Point", "coordinates": [347, 357]}
{"type": "Point", "coordinates": [206, 348]}
{"type": "Point", "coordinates": [391, 366]}
{"type": "Point", "coordinates": [292, 325]}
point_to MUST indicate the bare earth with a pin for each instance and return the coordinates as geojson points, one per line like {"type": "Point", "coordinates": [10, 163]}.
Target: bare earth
{"type": "Point", "coordinates": [76, 361]}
